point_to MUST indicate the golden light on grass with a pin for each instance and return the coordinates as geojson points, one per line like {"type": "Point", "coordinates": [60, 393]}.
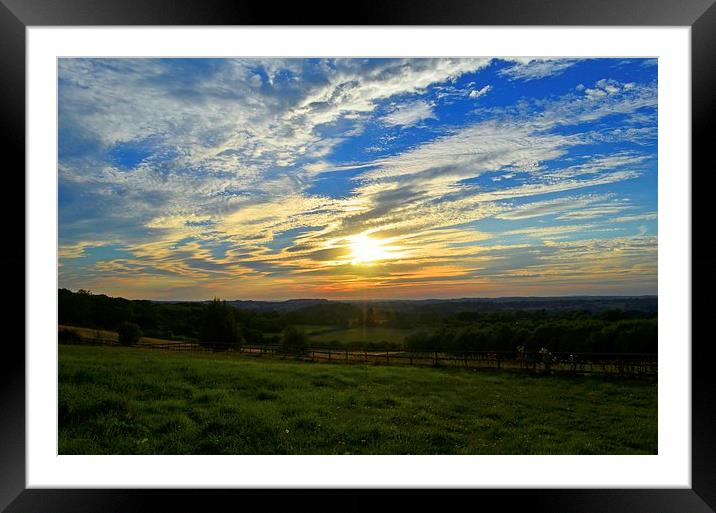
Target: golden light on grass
{"type": "Point", "coordinates": [365, 249]}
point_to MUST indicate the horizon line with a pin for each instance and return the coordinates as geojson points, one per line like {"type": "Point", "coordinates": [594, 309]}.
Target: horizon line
{"type": "Point", "coordinates": [375, 300]}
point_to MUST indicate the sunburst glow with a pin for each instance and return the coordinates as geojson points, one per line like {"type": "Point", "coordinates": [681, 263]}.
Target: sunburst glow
{"type": "Point", "coordinates": [365, 249]}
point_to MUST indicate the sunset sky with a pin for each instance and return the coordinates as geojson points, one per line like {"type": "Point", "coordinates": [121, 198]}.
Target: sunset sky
{"type": "Point", "coordinates": [357, 178]}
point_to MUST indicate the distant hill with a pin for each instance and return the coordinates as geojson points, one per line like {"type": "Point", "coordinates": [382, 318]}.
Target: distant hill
{"type": "Point", "coordinates": [592, 304]}
{"type": "Point", "coordinates": [310, 310]}
{"type": "Point", "coordinates": [588, 303]}
{"type": "Point", "coordinates": [277, 306]}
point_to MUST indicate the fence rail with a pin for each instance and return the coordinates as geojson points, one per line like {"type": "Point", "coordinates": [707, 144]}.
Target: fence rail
{"type": "Point", "coordinates": [622, 364]}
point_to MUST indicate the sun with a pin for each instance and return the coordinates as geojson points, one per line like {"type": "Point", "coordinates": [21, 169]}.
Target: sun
{"type": "Point", "coordinates": [366, 249]}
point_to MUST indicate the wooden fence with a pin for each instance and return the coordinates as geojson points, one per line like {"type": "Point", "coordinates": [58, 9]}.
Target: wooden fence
{"type": "Point", "coordinates": [621, 364]}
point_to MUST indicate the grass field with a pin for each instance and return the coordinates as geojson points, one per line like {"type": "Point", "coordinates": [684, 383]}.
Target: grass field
{"type": "Point", "coordinates": [352, 335]}
{"type": "Point", "coordinates": [115, 400]}
{"type": "Point", "coordinates": [316, 333]}
{"type": "Point", "coordinates": [91, 333]}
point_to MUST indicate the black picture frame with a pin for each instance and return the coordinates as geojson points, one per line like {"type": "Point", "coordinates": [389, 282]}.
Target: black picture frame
{"type": "Point", "coordinates": [17, 15]}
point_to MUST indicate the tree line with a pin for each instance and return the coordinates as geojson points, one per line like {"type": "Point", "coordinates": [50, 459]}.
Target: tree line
{"type": "Point", "coordinates": [173, 321]}
{"type": "Point", "coordinates": [220, 324]}
{"type": "Point", "coordinates": [602, 334]}
{"type": "Point", "coordinates": [213, 324]}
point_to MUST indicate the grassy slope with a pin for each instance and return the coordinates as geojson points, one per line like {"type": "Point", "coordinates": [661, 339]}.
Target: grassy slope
{"type": "Point", "coordinates": [123, 400]}
{"type": "Point", "coordinates": [348, 335]}
{"type": "Point", "coordinates": [91, 333]}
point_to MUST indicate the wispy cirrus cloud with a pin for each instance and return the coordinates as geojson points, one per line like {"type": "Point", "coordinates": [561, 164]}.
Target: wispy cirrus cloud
{"type": "Point", "coordinates": [530, 68]}
{"type": "Point", "coordinates": [409, 114]}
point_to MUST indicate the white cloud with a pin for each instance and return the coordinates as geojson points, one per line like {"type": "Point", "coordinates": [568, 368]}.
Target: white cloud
{"type": "Point", "coordinates": [476, 93]}
{"type": "Point", "coordinates": [217, 136]}
{"type": "Point", "coordinates": [550, 207]}
{"type": "Point", "coordinates": [529, 68]}
{"type": "Point", "coordinates": [409, 114]}
{"type": "Point", "coordinates": [651, 216]}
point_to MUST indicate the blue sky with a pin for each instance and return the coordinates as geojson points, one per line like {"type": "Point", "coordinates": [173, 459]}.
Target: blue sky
{"type": "Point", "coordinates": [357, 178]}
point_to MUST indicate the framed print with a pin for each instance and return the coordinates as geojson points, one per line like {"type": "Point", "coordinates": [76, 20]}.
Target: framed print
{"type": "Point", "coordinates": [419, 248]}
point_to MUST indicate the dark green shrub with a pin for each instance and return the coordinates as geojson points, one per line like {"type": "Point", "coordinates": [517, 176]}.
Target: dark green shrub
{"type": "Point", "coordinates": [271, 340]}
{"type": "Point", "coordinates": [253, 336]}
{"type": "Point", "coordinates": [129, 333]}
{"type": "Point", "coordinates": [418, 341]}
{"type": "Point", "coordinates": [294, 341]}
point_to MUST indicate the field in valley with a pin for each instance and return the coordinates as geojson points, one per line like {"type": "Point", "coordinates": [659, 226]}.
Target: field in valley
{"type": "Point", "coordinates": [343, 336]}
{"type": "Point", "coordinates": [115, 400]}
{"type": "Point", "coordinates": [95, 335]}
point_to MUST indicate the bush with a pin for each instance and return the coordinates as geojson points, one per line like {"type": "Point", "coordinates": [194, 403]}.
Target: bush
{"type": "Point", "coordinates": [129, 333]}
{"type": "Point", "coordinates": [294, 341]}
{"type": "Point", "coordinates": [253, 336]}
{"type": "Point", "coordinates": [271, 340]}
{"type": "Point", "coordinates": [418, 341]}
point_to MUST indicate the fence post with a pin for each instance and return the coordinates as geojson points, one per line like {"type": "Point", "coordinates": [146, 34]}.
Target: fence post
{"type": "Point", "coordinates": [435, 361]}
{"type": "Point", "coordinates": [329, 355]}
{"type": "Point", "coordinates": [365, 356]}
{"type": "Point", "coordinates": [387, 358]}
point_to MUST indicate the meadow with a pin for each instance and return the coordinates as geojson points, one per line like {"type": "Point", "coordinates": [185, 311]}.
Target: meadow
{"type": "Point", "coordinates": [115, 400]}
{"type": "Point", "coordinates": [338, 336]}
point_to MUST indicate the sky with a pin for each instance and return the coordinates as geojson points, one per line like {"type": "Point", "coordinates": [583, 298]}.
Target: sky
{"type": "Point", "coordinates": [357, 178]}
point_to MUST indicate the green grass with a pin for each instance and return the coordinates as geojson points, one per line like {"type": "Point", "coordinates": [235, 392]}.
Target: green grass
{"type": "Point", "coordinates": [139, 401]}
{"type": "Point", "coordinates": [354, 335]}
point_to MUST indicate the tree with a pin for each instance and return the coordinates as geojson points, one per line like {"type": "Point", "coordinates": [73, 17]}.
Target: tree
{"type": "Point", "coordinates": [219, 329]}
{"type": "Point", "coordinates": [369, 319]}
{"type": "Point", "coordinates": [129, 333]}
{"type": "Point", "coordinates": [294, 341]}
